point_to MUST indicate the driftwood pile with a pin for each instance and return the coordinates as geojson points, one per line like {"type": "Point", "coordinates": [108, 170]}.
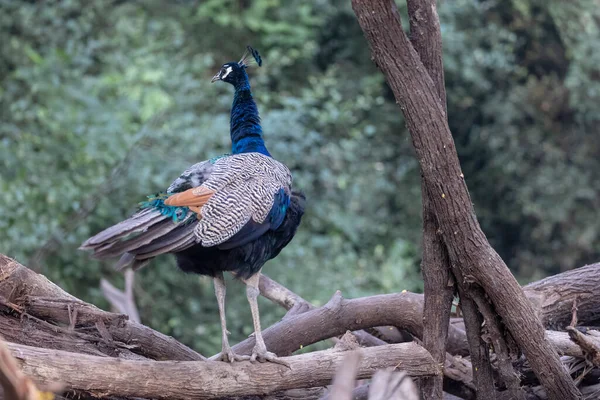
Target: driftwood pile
{"type": "Point", "coordinates": [58, 339]}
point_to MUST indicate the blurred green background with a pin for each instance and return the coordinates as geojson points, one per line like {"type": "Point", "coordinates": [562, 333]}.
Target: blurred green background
{"type": "Point", "coordinates": [103, 104]}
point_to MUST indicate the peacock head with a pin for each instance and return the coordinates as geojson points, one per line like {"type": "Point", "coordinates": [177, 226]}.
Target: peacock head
{"type": "Point", "coordinates": [235, 72]}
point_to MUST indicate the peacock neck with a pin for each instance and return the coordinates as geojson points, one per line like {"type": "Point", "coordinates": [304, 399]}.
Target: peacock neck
{"type": "Point", "coordinates": [246, 132]}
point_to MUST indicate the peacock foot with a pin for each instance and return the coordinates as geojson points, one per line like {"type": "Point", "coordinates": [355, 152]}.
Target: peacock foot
{"type": "Point", "coordinates": [260, 354]}
{"type": "Point", "coordinates": [227, 355]}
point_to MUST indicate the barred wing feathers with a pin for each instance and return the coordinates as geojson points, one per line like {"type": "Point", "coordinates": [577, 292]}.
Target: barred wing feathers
{"type": "Point", "coordinates": [244, 189]}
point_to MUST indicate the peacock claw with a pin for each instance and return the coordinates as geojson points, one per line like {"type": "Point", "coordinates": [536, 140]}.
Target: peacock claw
{"type": "Point", "coordinates": [227, 355]}
{"type": "Point", "coordinates": [264, 356]}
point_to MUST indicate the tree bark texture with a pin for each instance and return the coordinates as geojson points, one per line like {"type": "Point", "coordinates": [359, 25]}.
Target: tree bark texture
{"type": "Point", "coordinates": [48, 309]}
{"type": "Point", "coordinates": [554, 297]}
{"type": "Point", "coordinates": [204, 380]}
{"type": "Point", "coordinates": [468, 248]}
{"type": "Point", "coordinates": [404, 310]}
{"type": "Point", "coordinates": [439, 288]}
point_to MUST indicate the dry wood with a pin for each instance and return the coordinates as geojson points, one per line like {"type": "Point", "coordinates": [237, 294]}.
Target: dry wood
{"type": "Point", "coordinates": [426, 38]}
{"type": "Point", "coordinates": [479, 352]}
{"type": "Point", "coordinates": [458, 377]}
{"type": "Point", "coordinates": [468, 248]}
{"type": "Point", "coordinates": [554, 297]}
{"type": "Point", "coordinates": [392, 385]}
{"type": "Point", "coordinates": [546, 296]}
{"type": "Point", "coordinates": [203, 380]}
{"type": "Point", "coordinates": [345, 378]}
{"type": "Point", "coordinates": [29, 294]}
{"type": "Point", "coordinates": [589, 344]}
{"type": "Point", "coordinates": [15, 385]}
{"type": "Point", "coordinates": [295, 304]}
{"type": "Point", "coordinates": [122, 301]}
{"type": "Point", "coordinates": [339, 315]}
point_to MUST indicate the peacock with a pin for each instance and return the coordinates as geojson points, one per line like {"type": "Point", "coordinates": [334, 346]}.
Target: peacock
{"type": "Point", "coordinates": [231, 213]}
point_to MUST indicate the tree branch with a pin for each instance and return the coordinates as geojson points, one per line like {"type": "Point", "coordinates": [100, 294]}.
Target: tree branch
{"type": "Point", "coordinates": [339, 315]}
{"type": "Point", "coordinates": [554, 296]}
{"type": "Point", "coordinates": [467, 245]}
{"type": "Point", "coordinates": [295, 304]}
{"type": "Point", "coordinates": [199, 380]}
{"type": "Point", "coordinates": [30, 295]}
{"type": "Point", "coordinates": [439, 287]}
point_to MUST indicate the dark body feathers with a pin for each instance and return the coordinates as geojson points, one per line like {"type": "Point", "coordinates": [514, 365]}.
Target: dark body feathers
{"type": "Point", "coordinates": [249, 258]}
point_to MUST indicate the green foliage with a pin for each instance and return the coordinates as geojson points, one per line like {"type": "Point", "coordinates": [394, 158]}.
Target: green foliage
{"type": "Point", "coordinates": [101, 106]}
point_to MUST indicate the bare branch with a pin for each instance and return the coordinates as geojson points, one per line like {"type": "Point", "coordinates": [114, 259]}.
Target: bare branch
{"type": "Point", "coordinates": [554, 297]}
{"type": "Point", "coordinates": [31, 295]}
{"type": "Point", "coordinates": [589, 345]}
{"type": "Point", "coordinates": [392, 385]}
{"type": "Point", "coordinates": [345, 378]}
{"type": "Point", "coordinates": [204, 380]}
{"type": "Point", "coordinates": [16, 385]}
{"type": "Point", "coordinates": [122, 301]}
{"type": "Point", "coordinates": [403, 310]}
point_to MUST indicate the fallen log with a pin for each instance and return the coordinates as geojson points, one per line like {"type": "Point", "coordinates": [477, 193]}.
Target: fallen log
{"type": "Point", "coordinates": [105, 376]}
{"type": "Point", "coordinates": [24, 293]}
{"type": "Point", "coordinates": [554, 297]}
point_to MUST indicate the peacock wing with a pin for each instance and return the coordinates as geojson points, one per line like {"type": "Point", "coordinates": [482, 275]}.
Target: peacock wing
{"type": "Point", "coordinates": [193, 177]}
{"type": "Point", "coordinates": [244, 196]}
{"type": "Point", "coordinates": [157, 228]}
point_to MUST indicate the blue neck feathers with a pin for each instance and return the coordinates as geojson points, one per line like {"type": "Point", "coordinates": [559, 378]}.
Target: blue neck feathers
{"type": "Point", "coordinates": [246, 132]}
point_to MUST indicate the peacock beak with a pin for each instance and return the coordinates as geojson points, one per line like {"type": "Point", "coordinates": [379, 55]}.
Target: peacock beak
{"type": "Point", "coordinates": [215, 78]}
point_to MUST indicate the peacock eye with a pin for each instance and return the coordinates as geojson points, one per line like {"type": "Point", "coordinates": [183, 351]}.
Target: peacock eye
{"type": "Point", "coordinates": [225, 72]}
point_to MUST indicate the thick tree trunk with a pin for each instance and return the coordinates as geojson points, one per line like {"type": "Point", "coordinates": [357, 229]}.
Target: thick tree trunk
{"type": "Point", "coordinates": [468, 248]}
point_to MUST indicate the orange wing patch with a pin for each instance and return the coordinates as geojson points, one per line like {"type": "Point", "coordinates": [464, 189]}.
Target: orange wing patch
{"type": "Point", "coordinates": [193, 198]}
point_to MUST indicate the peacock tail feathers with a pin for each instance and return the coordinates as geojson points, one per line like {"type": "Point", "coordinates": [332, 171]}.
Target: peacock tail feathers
{"type": "Point", "coordinates": [157, 202]}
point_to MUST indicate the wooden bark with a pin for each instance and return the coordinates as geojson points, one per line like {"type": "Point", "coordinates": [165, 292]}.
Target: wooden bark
{"type": "Point", "coordinates": [204, 380]}
{"type": "Point", "coordinates": [392, 385]}
{"type": "Point", "coordinates": [439, 288]}
{"type": "Point", "coordinates": [404, 310]}
{"type": "Point", "coordinates": [468, 248]}
{"type": "Point", "coordinates": [345, 378]}
{"type": "Point", "coordinates": [26, 294]}
{"type": "Point", "coordinates": [295, 304]}
{"type": "Point", "coordinates": [554, 297]}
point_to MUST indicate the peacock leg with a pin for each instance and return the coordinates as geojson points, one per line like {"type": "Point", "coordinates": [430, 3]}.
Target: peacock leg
{"type": "Point", "coordinates": [227, 353]}
{"type": "Point", "coordinates": [259, 352]}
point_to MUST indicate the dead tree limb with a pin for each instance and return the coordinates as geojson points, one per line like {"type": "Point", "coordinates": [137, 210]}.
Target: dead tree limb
{"type": "Point", "coordinates": [468, 248]}
{"type": "Point", "coordinates": [204, 380]}
{"type": "Point", "coordinates": [295, 304]}
{"type": "Point", "coordinates": [412, 304]}
{"type": "Point", "coordinates": [590, 345]}
{"type": "Point", "coordinates": [338, 316]}
{"type": "Point", "coordinates": [30, 295]}
{"type": "Point", "coordinates": [15, 385]}
{"type": "Point", "coordinates": [392, 385]}
{"type": "Point", "coordinates": [345, 377]}
{"type": "Point", "coordinates": [439, 288]}
{"type": "Point", "coordinates": [122, 301]}
{"type": "Point", "coordinates": [554, 296]}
